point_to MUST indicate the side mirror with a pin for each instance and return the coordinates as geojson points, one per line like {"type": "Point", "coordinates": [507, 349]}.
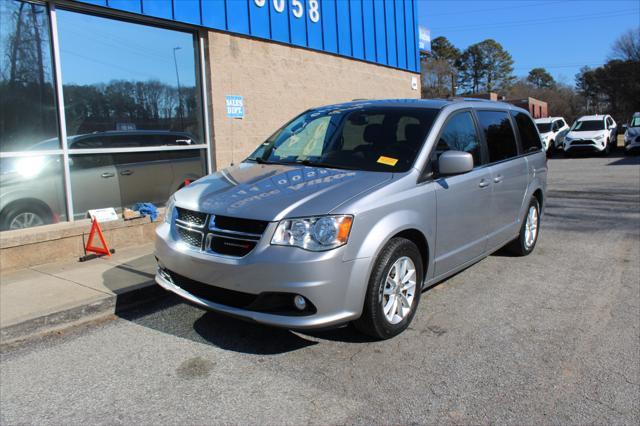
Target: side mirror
{"type": "Point", "coordinates": [624, 127]}
{"type": "Point", "coordinates": [455, 163]}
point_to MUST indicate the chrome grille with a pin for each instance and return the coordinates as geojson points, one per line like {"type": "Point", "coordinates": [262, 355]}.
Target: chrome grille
{"type": "Point", "coordinates": [190, 227]}
{"type": "Point", "coordinates": [191, 237]}
{"type": "Point", "coordinates": [232, 236]}
{"type": "Point", "coordinates": [190, 217]}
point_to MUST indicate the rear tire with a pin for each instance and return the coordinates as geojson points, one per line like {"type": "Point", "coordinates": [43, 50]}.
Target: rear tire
{"type": "Point", "coordinates": [526, 241]}
{"type": "Point", "coordinates": [389, 308]}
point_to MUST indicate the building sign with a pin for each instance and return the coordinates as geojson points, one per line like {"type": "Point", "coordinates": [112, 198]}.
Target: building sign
{"type": "Point", "coordinates": [235, 106]}
{"type": "Point", "coordinates": [424, 39]}
{"type": "Point", "coordinates": [297, 8]}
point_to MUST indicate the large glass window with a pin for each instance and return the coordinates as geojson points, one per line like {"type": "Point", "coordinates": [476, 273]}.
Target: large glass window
{"type": "Point", "coordinates": [127, 86]}
{"type": "Point", "coordinates": [27, 100]}
{"type": "Point", "coordinates": [132, 112]}
{"type": "Point", "coordinates": [118, 75]}
{"type": "Point", "coordinates": [31, 186]}
{"type": "Point", "coordinates": [499, 135]}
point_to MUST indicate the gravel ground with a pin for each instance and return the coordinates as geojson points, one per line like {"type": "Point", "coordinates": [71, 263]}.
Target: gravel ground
{"type": "Point", "coordinates": [550, 338]}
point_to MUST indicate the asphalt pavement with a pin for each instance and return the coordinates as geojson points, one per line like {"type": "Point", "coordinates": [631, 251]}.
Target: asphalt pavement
{"type": "Point", "coordinates": [550, 338]}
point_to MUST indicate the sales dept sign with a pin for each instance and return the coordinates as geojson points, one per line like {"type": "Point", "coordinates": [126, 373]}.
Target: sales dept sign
{"type": "Point", "coordinates": [235, 106]}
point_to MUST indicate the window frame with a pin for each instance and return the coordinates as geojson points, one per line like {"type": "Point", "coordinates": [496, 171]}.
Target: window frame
{"type": "Point", "coordinates": [201, 78]}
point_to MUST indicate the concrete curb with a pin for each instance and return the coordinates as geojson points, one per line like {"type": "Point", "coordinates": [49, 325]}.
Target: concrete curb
{"type": "Point", "coordinates": [77, 315]}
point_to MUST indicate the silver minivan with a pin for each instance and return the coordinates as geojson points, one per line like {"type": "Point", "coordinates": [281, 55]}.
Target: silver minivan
{"type": "Point", "coordinates": [349, 211]}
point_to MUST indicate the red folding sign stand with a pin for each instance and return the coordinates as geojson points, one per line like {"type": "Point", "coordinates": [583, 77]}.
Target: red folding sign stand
{"type": "Point", "coordinates": [96, 251]}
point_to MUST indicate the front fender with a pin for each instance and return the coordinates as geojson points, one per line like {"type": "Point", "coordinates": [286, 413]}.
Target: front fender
{"type": "Point", "coordinates": [373, 229]}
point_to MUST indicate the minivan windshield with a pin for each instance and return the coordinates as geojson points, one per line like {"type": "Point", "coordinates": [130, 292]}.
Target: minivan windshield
{"type": "Point", "coordinates": [380, 139]}
{"type": "Point", "coordinates": [587, 125]}
{"type": "Point", "coordinates": [544, 127]}
{"type": "Point", "coordinates": [635, 122]}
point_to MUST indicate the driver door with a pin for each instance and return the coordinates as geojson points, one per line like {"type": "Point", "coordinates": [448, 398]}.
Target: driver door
{"type": "Point", "coordinates": [463, 202]}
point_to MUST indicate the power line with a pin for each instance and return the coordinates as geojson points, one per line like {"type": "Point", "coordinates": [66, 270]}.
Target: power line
{"type": "Point", "coordinates": [465, 12]}
{"type": "Point", "coordinates": [579, 64]}
{"type": "Point", "coordinates": [506, 24]}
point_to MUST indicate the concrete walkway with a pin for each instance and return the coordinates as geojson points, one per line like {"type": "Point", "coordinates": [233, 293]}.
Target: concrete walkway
{"type": "Point", "coordinates": [46, 297]}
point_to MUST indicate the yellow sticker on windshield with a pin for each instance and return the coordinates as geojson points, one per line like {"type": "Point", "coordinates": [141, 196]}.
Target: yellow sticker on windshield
{"type": "Point", "coordinates": [387, 160]}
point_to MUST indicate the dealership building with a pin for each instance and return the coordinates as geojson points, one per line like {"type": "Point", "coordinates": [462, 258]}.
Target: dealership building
{"type": "Point", "coordinates": [107, 103]}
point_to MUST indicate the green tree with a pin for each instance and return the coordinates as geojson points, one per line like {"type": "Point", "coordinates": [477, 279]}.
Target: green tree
{"type": "Point", "coordinates": [472, 69]}
{"type": "Point", "coordinates": [540, 78]}
{"type": "Point", "coordinates": [440, 69]}
{"type": "Point", "coordinates": [498, 65]}
{"type": "Point", "coordinates": [627, 46]}
{"type": "Point", "coordinates": [443, 49]}
{"type": "Point", "coordinates": [486, 66]}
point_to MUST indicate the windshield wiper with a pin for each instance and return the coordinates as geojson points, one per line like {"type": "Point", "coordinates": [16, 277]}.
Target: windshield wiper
{"type": "Point", "coordinates": [321, 164]}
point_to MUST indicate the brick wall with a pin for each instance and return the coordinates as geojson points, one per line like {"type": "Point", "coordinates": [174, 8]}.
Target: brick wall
{"type": "Point", "coordinates": [279, 82]}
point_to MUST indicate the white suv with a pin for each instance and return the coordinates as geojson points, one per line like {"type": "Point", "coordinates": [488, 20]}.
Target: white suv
{"type": "Point", "coordinates": [552, 132]}
{"type": "Point", "coordinates": [592, 133]}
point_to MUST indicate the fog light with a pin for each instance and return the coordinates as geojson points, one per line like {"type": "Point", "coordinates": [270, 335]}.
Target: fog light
{"type": "Point", "coordinates": [299, 302]}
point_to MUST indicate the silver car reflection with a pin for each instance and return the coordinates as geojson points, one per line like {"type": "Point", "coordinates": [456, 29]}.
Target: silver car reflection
{"type": "Point", "coordinates": [33, 188]}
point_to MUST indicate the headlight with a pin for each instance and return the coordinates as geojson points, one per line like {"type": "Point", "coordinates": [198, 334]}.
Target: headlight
{"type": "Point", "coordinates": [599, 137]}
{"type": "Point", "coordinates": [313, 233]}
{"type": "Point", "coordinates": [169, 208]}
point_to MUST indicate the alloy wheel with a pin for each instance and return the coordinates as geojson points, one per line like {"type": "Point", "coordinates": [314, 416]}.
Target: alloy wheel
{"type": "Point", "coordinates": [399, 290]}
{"type": "Point", "coordinates": [531, 227]}
{"type": "Point", "coordinates": [26, 220]}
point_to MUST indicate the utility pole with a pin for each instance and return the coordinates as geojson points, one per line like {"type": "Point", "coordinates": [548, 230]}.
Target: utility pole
{"type": "Point", "coordinates": [175, 62]}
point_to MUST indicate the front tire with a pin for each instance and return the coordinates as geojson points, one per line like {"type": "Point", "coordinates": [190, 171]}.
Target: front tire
{"type": "Point", "coordinates": [23, 216]}
{"type": "Point", "coordinates": [526, 241]}
{"type": "Point", "coordinates": [394, 290]}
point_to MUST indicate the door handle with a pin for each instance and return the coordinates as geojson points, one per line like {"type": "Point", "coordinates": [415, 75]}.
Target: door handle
{"type": "Point", "coordinates": [484, 183]}
{"type": "Point", "coordinates": [497, 179]}
{"type": "Point", "coordinates": [106, 175]}
{"type": "Point", "coordinates": [126, 172]}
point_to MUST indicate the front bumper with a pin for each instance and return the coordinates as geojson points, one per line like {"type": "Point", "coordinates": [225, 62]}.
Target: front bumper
{"type": "Point", "coordinates": [584, 146]}
{"type": "Point", "coordinates": [335, 287]}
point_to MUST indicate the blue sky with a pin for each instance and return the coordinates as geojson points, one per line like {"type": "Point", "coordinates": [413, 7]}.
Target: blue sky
{"type": "Point", "coordinates": [98, 50]}
{"type": "Point", "coordinates": [560, 36]}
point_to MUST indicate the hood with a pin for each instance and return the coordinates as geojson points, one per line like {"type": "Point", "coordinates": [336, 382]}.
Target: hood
{"type": "Point", "coordinates": [272, 191]}
{"type": "Point", "coordinates": [546, 134]}
{"type": "Point", "coordinates": [632, 131]}
{"type": "Point", "coordinates": [585, 135]}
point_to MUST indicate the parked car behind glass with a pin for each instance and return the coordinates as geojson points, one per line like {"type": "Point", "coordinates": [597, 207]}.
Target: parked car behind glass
{"type": "Point", "coordinates": [32, 186]}
{"type": "Point", "coordinates": [348, 211]}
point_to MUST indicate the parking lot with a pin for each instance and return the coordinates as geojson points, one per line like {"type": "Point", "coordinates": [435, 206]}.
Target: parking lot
{"type": "Point", "coordinates": [549, 338]}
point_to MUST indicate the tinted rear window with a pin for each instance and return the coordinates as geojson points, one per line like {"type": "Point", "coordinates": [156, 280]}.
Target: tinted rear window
{"type": "Point", "coordinates": [528, 136]}
{"type": "Point", "coordinates": [498, 133]}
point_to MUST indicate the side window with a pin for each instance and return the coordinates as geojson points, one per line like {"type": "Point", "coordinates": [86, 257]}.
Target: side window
{"type": "Point", "coordinates": [460, 134]}
{"type": "Point", "coordinates": [528, 135]}
{"type": "Point", "coordinates": [499, 135]}
{"type": "Point", "coordinates": [561, 123]}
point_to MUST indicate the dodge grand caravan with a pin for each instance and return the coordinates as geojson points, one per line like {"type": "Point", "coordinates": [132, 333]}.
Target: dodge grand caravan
{"type": "Point", "coordinates": [348, 211]}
